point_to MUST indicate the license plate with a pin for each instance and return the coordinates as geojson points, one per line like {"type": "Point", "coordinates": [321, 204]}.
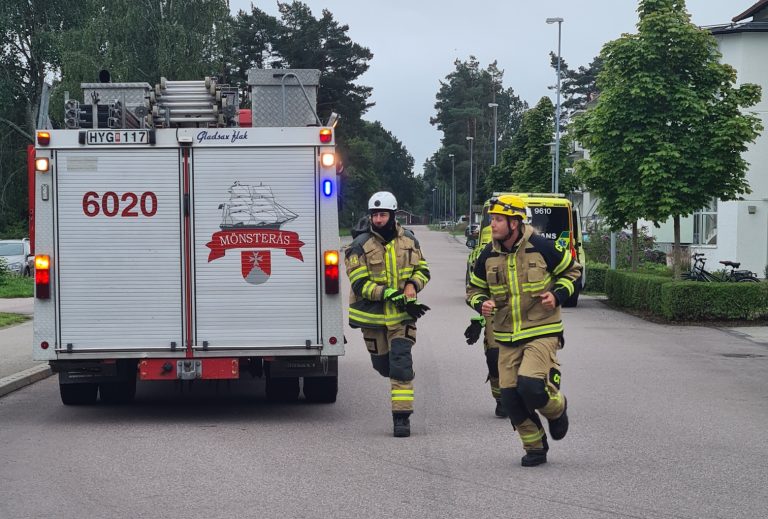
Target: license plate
{"type": "Point", "coordinates": [112, 137]}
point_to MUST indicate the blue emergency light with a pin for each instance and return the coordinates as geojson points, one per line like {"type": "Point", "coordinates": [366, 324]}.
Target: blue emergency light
{"type": "Point", "coordinates": [327, 187]}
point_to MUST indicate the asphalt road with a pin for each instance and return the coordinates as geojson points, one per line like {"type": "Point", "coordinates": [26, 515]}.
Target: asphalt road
{"type": "Point", "coordinates": [666, 422]}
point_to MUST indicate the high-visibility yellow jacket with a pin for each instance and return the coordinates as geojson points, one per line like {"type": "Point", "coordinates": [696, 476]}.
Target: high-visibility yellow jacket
{"type": "Point", "coordinates": [373, 266]}
{"type": "Point", "coordinates": [514, 280]}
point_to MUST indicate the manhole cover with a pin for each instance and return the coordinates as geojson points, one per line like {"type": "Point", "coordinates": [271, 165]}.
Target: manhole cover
{"type": "Point", "coordinates": [742, 355]}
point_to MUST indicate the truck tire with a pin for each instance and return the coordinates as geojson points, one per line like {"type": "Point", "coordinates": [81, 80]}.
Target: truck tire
{"type": "Point", "coordinates": [321, 390]}
{"type": "Point", "coordinates": [284, 389]}
{"type": "Point", "coordinates": [572, 301]}
{"type": "Point", "coordinates": [119, 392]}
{"type": "Point", "coordinates": [78, 394]}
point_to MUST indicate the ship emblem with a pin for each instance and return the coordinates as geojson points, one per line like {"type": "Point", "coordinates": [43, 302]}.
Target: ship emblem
{"type": "Point", "coordinates": [251, 221]}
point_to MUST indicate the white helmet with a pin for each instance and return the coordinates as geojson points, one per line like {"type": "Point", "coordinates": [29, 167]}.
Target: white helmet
{"type": "Point", "coordinates": [383, 200]}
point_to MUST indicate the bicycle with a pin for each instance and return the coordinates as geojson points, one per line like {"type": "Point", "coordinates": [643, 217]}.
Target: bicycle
{"type": "Point", "coordinates": [738, 276]}
{"type": "Point", "coordinates": [730, 273]}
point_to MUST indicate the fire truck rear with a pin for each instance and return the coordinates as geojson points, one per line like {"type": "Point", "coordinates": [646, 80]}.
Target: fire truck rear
{"type": "Point", "coordinates": [178, 237]}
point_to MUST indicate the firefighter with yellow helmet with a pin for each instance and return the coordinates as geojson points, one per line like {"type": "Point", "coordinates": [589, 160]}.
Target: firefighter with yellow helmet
{"type": "Point", "coordinates": [386, 270]}
{"type": "Point", "coordinates": [518, 284]}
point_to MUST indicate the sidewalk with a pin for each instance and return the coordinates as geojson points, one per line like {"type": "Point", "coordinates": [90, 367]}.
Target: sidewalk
{"type": "Point", "coordinates": [17, 369]}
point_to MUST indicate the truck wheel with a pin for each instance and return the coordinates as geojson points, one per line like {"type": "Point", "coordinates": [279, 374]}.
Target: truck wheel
{"type": "Point", "coordinates": [78, 394]}
{"type": "Point", "coordinates": [321, 390]}
{"type": "Point", "coordinates": [120, 392]}
{"type": "Point", "coordinates": [283, 389]}
{"type": "Point", "coordinates": [572, 301]}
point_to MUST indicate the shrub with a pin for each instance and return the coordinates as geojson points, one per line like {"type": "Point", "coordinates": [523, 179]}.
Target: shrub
{"type": "Point", "coordinates": [634, 290]}
{"type": "Point", "coordinates": [4, 273]}
{"type": "Point", "coordinates": [597, 247]}
{"type": "Point", "coordinates": [595, 277]}
{"type": "Point", "coordinates": [687, 300]}
{"type": "Point", "coordinates": [697, 301]}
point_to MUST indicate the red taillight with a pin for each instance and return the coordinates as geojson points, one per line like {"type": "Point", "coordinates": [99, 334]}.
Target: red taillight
{"type": "Point", "coordinates": [43, 138]}
{"type": "Point", "coordinates": [44, 345]}
{"type": "Point", "coordinates": [331, 271]}
{"type": "Point", "coordinates": [326, 135]}
{"type": "Point", "coordinates": [332, 340]}
{"type": "Point", "coordinates": [42, 276]}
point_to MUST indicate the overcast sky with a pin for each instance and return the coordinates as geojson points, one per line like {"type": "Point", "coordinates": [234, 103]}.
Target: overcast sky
{"type": "Point", "coordinates": [415, 42]}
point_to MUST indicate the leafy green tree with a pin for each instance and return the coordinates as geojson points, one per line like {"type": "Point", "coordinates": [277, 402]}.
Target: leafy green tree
{"type": "Point", "coordinates": [668, 130]}
{"type": "Point", "coordinates": [29, 54]}
{"type": "Point", "coordinates": [526, 165]}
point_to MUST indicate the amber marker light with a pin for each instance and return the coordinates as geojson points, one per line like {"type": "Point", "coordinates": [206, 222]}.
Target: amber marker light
{"type": "Point", "coordinates": [44, 138]}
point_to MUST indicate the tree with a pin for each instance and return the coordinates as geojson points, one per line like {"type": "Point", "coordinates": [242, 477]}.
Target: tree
{"type": "Point", "coordinates": [668, 130]}
{"type": "Point", "coordinates": [526, 165]}
{"type": "Point", "coordinates": [577, 87]}
{"type": "Point", "coordinates": [462, 110]}
{"type": "Point", "coordinates": [378, 161]}
{"type": "Point", "coordinates": [323, 44]}
{"type": "Point", "coordinates": [29, 55]}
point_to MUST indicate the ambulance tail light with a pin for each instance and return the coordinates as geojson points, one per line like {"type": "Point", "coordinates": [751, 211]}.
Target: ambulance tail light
{"type": "Point", "coordinates": [42, 276]}
{"type": "Point", "coordinates": [43, 138]}
{"type": "Point", "coordinates": [331, 271]}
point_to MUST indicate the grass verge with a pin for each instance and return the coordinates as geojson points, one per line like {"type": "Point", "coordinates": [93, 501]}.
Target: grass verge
{"type": "Point", "coordinates": [17, 286]}
{"type": "Point", "coordinates": [11, 319]}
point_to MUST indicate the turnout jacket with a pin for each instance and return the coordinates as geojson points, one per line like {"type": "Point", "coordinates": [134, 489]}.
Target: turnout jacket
{"type": "Point", "coordinates": [373, 266]}
{"type": "Point", "coordinates": [512, 279]}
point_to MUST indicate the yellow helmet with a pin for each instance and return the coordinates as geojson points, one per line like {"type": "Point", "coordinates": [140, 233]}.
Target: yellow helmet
{"type": "Point", "coordinates": [507, 205]}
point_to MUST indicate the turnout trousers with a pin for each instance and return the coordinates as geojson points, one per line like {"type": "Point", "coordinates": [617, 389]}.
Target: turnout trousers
{"type": "Point", "coordinates": [391, 357]}
{"type": "Point", "coordinates": [529, 376]}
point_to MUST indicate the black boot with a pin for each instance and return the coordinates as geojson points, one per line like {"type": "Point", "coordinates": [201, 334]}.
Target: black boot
{"type": "Point", "coordinates": [500, 412]}
{"type": "Point", "coordinates": [402, 424]}
{"type": "Point", "coordinates": [534, 457]}
{"type": "Point", "coordinates": [558, 427]}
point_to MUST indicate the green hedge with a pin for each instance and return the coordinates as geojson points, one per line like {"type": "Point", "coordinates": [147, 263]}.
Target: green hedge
{"type": "Point", "coordinates": [697, 301]}
{"type": "Point", "coordinates": [687, 300]}
{"type": "Point", "coordinates": [633, 290]}
{"type": "Point", "coordinates": [595, 277]}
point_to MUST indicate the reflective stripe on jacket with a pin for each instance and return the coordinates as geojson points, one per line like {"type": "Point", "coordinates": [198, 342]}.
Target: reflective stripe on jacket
{"type": "Point", "coordinates": [373, 266]}
{"type": "Point", "coordinates": [515, 279]}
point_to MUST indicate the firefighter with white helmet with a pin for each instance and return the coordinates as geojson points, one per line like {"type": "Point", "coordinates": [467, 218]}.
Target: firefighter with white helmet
{"type": "Point", "coordinates": [387, 270]}
{"type": "Point", "coordinates": [518, 283]}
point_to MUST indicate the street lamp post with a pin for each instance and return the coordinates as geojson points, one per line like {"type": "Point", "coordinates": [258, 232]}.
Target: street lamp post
{"type": "Point", "coordinates": [495, 107]}
{"type": "Point", "coordinates": [471, 149]}
{"type": "Point", "coordinates": [556, 182]}
{"type": "Point", "coordinates": [453, 188]}
{"type": "Point", "coordinates": [434, 196]}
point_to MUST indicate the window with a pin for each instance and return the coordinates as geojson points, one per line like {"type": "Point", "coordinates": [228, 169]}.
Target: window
{"type": "Point", "coordinates": [705, 225]}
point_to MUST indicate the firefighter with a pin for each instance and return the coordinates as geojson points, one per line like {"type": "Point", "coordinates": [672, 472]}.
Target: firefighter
{"type": "Point", "coordinates": [386, 270]}
{"type": "Point", "coordinates": [518, 284]}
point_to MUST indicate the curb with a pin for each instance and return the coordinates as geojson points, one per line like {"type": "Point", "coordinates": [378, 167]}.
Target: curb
{"type": "Point", "coordinates": [23, 378]}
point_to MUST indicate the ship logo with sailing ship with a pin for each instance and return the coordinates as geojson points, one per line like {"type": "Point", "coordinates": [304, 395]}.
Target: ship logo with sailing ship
{"type": "Point", "coordinates": [251, 220]}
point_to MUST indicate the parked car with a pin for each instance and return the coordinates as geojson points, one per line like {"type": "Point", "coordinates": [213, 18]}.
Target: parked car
{"type": "Point", "coordinates": [17, 256]}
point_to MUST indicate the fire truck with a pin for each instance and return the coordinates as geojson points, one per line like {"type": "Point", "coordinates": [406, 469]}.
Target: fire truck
{"type": "Point", "coordinates": [180, 237]}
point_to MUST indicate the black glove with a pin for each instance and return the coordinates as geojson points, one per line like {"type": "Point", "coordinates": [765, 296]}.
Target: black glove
{"type": "Point", "coordinates": [415, 309]}
{"type": "Point", "coordinates": [396, 297]}
{"type": "Point", "coordinates": [472, 333]}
